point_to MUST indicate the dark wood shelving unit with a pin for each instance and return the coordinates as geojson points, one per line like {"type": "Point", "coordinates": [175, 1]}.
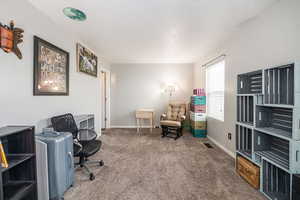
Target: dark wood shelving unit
{"type": "Point", "coordinates": [18, 189]}
{"type": "Point", "coordinates": [18, 181]}
{"type": "Point", "coordinates": [16, 159]}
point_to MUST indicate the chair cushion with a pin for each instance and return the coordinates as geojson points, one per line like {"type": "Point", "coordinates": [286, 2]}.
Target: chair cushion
{"type": "Point", "coordinates": [175, 111]}
{"type": "Point", "coordinates": [170, 123]}
{"type": "Point", "coordinates": [90, 147]}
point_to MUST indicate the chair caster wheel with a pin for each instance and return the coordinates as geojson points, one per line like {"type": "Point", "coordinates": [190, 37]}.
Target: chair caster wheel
{"type": "Point", "coordinates": [92, 177]}
{"type": "Point", "coordinates": [101, 163]}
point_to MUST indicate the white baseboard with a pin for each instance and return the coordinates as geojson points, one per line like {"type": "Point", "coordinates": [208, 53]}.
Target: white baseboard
{"type": "Point", "coordinates": [114, 126]}
{"type": "Point", "coordinates": [222, 147]}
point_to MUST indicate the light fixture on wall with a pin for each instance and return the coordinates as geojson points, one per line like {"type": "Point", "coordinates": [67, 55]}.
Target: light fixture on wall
{"type": "Point", "coordinates": [171, 88]}
{"type": "Point", "coordinates": [74, 14]}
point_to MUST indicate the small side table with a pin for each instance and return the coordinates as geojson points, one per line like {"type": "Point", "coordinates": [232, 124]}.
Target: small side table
{"type": "Point", "coordinates": [141, 114]}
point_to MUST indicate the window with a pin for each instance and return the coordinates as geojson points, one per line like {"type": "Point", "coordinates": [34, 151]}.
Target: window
{"type": "Point", "coordinates": [215, 81]}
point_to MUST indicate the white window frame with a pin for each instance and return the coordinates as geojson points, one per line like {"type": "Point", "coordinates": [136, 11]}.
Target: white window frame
{"type": "Point", "coordinates": [216, 93]}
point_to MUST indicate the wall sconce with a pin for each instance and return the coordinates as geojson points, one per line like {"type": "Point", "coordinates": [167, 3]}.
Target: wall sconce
{"type": "Point", "coordinates": [171, 88]}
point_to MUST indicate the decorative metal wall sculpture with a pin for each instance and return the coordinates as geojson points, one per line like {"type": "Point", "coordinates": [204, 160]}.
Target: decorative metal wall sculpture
{"type": "Point", "coordinates": [10, 37]}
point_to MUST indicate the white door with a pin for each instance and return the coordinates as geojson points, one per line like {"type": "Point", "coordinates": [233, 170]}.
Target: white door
{"type": "Point", "coordinates": [103, 99]}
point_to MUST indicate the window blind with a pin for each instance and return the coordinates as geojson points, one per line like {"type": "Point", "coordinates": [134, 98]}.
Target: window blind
{"type": "Point", "coordinates": [215, 86]}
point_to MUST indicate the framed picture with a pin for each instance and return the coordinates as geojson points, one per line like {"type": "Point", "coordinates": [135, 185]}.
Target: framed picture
{"type": "Point", "coordinates": [51, 69]}
{"type": "Point", "coordinates": [87, 61]}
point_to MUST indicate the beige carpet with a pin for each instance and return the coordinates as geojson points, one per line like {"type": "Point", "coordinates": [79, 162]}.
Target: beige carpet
{"type": "Point", "coordinates": [148, 167]}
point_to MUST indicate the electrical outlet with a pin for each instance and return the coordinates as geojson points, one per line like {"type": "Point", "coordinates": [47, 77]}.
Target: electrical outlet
{"type": "Point", "coordinates": [229, 136]}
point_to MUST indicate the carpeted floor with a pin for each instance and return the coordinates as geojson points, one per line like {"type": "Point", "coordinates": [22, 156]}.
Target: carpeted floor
{"type": "Point", "coordinates": [149, 167]}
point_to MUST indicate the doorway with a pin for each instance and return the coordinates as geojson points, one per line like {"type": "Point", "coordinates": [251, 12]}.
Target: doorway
{"type": "Point", "coordinates": [105, 80]}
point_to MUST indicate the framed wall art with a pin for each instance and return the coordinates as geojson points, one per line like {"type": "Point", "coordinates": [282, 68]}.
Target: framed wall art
{"type": "Point", "coordinates": [51, 69]}
{"type": "Point", "coordinates": [87, 61]}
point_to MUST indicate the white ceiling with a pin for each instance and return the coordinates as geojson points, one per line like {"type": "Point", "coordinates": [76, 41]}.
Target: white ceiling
{"type": "Point", "coordinates": [173, 31]}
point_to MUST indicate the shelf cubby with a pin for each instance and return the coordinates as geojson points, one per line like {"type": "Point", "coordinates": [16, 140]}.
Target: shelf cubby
{"type": "Point", "coordinates": [91, 123]}
{"type": "Point", "coordinates": [296, 187]}
{"type": "Point", "coordinates": [84, 124]}
{"type": "Point", "coordinates": [18, 180]}
{"type": "Point", "coordinates": [275, 120]}
{"type": "Point", "coordinates": [17, 190]}
{"type": "Point", "coordinates": [279, 85]}
{"type": "Point", "coordinates": [273, 148]}
{"type": "Point", "coordinates": [245, 109]}
{"type": "Point", "coordinates": [244, 140]}
{"type": "Point", "coordinates": [85, 121]}
{"type": "Point", "coordinates": [276, 182]}
{"type": "Point", "coordinates": [16, 159]}
{"type": "Point", "coordinates": [250, 83]}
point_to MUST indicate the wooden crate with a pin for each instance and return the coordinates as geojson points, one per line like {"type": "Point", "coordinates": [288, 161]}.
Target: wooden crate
{"type": "Point", "coordinates": [198, 108]}
{"type": "Point", "coordinates": [198, 125]}
{"type": "Point", "coordinates": [197, 116]}
{"type": "Point", "coordinates": [198, 100]}
{"type": "Point", "coordinates": [248, 171]}
{"type": "Point", "coordinates": [199, 133]}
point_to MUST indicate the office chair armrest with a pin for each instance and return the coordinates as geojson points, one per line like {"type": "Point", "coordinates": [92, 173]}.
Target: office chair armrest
{"type": "Point", "coordinates": [77, 147]}
{"type": "Point", "coordinates": [86, 135]}
{"type": "Point", "coordinates": [76, 142]}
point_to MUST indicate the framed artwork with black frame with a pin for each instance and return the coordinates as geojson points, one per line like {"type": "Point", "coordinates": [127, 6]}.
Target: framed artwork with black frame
{"type": "Point", "coordinates": [51, 69]}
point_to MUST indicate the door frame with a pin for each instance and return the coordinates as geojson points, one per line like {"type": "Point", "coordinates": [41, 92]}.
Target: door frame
{"type": "Point", "coordinates": [107, 92]}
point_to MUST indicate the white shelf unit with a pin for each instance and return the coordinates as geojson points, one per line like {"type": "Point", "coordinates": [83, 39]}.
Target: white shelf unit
{"type": "Point", "coordinates": [273, 129]}
{"type": "Point", "coordinates": [86, 121]}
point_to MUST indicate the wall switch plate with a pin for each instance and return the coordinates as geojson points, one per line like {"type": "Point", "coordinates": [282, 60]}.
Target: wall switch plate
{"type": "Point", "coordinates": [229, 136]}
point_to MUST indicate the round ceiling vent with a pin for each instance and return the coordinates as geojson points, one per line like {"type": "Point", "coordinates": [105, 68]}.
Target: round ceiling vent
{"type": "Point", "coordinates": [74, 14]}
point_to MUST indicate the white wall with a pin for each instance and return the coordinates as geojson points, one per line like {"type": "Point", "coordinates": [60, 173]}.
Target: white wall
{"type": "Point", "coordinates": [271, 39]}
{"type": "Point", "coordinates": [18, 106]}
{"type": "Point", "coordinates": [135, 86]}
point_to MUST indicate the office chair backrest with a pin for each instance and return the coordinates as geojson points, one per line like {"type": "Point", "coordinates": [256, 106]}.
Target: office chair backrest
{"type": "Point", "coordinates": [65, 123]}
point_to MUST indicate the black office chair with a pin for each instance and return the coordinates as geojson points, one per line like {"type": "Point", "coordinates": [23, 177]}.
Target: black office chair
{"type": "Point", "coordinates": [85, 143]}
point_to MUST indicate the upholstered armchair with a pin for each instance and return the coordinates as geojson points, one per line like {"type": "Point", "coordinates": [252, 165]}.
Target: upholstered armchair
{"type": "Point", "coordinates": [171, 122]}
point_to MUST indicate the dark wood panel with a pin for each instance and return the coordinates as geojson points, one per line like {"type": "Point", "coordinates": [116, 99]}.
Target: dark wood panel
{"type": "Point", "coordinates": [19, 180]}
